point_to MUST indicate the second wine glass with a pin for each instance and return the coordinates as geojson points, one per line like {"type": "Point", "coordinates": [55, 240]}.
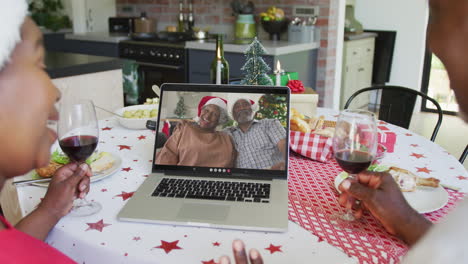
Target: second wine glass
{"type": "Point", "coordinates": [355, 144]}
{"type": "Point", "coordinates": [78, 133]}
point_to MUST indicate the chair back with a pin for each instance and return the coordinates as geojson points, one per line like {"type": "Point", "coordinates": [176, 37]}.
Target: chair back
{"type": "Point", "coordinates": [464, 154]}
{"type": "Point", "coordinates": [395, 104]}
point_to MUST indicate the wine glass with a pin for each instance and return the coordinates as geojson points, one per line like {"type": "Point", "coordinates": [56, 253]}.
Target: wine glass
{"type": "Point", "coordinates": [78, 133]}
{"type": "Point", "coordinates": [355, 144]}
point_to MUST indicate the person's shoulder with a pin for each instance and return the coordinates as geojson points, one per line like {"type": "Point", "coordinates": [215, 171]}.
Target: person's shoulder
{"type": "Point", "coordinates": [267, 121]}
{"type": "Point", "coordinates": [229, 130]}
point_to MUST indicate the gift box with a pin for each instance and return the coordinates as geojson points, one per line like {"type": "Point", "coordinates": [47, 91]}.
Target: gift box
{"type": "Point", "coordinates": [387, 138]}
{"type": "Point", "coordinates": [311, 145]}
{"type": "Point", "coordinates": [285, 77]}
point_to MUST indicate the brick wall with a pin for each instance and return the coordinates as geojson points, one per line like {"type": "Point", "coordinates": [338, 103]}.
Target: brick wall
{"type": "Point", "coordinates": [214, 12]}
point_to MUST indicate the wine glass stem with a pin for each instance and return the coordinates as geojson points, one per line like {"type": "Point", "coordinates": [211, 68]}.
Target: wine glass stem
{"type": "Point", "coordinates": [349, 215]}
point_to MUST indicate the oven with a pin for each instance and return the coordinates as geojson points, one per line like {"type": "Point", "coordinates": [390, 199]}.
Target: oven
{"type": "Point", "coordinates": [157, 62]}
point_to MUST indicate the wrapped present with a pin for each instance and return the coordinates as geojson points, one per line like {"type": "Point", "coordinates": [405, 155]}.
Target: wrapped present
{"type": "Point", "coordinates": [311, 145]}
{"type": "Point", "coordinates": [387, 138]}
{"type": "Point", "coordinates": [285, 77]}
{"type": "Point", "coordinates": [305, 103]}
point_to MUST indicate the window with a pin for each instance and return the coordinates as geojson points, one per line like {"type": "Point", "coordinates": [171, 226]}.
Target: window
{"type": "Point", "coordinates": [436, 84]}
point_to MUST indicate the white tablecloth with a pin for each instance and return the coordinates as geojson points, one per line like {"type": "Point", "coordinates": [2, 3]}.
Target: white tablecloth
{"type": "Point", "coordinates": [101, 238]}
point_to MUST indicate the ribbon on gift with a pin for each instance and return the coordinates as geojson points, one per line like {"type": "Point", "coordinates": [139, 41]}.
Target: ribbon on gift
{"type": "Point", "coordinates": [311, 145]}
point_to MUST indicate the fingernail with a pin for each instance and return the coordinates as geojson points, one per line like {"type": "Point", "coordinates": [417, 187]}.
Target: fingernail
{"type": "Point", "coordinates": [82, 187]}
{"type": "Point", "coordinates": [346, 184]}
{"type": "Point", "coordinates": [238, 246]}
{"type": "Point", "coordinates": [84, 166]}
{"type": "Point", "coordinates": [82, 195]}
{"type": "Point", "coordinates": [254, 254]}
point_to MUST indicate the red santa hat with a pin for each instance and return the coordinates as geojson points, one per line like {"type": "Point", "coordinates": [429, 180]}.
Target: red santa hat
{"type": "Point", "coordinates": [13, 13]}
{"type": "Point", "coordinates": [207, 100]}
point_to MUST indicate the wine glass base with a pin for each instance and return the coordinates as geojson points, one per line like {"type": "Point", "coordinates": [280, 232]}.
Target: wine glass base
{"type": "Point", "coordinates": [85, 209]}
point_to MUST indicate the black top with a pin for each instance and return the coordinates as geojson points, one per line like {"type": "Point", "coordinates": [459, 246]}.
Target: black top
{"type": "Point", "coordinates": [62, 64]}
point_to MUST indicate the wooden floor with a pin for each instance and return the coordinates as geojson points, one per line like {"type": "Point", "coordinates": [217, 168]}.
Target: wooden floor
{"type": "Point", "coordinates": [452, 136]}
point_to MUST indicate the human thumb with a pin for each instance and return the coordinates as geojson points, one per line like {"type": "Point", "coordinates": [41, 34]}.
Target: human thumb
{"type": "Point", "coordinates": [357, 190]}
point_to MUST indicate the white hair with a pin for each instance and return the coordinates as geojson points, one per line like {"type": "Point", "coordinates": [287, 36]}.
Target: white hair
{"type": "Point", "coordinates": [12, 14]}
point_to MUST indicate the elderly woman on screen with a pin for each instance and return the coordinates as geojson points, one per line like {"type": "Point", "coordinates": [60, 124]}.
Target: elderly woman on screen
{"type": "Point", "coordinates": [199, 144]}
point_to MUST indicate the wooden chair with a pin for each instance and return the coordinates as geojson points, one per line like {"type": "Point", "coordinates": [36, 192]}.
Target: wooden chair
{"type": "Point", "coordinates": [395, 106]}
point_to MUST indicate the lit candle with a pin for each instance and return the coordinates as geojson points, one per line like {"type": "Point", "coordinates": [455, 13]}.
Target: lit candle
{"type": "Point", "coordinates": [278, 73]}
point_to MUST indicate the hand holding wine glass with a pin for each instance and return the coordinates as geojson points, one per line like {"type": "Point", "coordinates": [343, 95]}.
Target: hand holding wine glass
{"type": "Point", "coordinates": [355, 143]}
{"type": "Point", "coordinates": [78, 137]}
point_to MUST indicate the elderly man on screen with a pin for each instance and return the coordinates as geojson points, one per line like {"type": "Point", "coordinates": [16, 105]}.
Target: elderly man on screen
{"type": "Point", "coordinates": [261, 144]}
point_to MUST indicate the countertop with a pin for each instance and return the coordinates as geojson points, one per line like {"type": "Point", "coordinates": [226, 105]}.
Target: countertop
{"type": "Point", "coordinates": [98, 37]}
{"type": "Point", "coordinates": [64, 64]}
{"type": "Point", "coordinates": [272, 47]}
{"type": "Point", "coordinates": [360, 36]}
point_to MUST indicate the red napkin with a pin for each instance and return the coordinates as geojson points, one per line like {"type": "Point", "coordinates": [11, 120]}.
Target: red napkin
{"type": "Point", "coordinates": [310, 145]}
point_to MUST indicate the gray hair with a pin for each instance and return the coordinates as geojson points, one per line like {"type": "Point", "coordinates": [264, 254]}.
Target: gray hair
{"type": "Point", "coordinates": [223, 115]}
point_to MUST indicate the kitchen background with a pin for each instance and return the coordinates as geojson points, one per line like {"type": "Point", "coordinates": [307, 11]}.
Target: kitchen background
{"type": "Point", "coordinates": [217, 15]}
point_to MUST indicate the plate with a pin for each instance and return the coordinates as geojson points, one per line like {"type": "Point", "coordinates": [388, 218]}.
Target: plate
{"type": "Point", "coordinates": [106, 173]}
{"type": "Point", "coordinates": [423, 200]}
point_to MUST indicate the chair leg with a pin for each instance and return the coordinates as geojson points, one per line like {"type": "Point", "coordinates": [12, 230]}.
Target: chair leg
{"type": "Point", "coordinates": [463, 156]}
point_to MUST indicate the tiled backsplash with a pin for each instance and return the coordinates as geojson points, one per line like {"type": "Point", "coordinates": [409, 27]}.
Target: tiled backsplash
{"type": "Point", "coordinates": [217, 14]}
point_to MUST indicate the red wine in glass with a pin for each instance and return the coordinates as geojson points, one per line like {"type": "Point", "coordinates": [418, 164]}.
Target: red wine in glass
{"type": "Point", "coordinates": [353, 162]}
{"type": "Point", "coordinates": [78, 148]}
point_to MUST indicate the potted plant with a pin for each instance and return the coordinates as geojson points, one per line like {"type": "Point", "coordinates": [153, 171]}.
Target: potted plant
{"type": "Point", "coordinates": [245, 29]}
{"type": "Point", "coordinates": [49, 14]}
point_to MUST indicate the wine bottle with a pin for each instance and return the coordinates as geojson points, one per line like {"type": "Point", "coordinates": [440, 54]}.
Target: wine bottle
{"type": "Point", "coordinates": [181, 18]}
{"type": "Point", "coordinates": [219, 70]}
{"type": "Point", "coordinates": [190, 19]}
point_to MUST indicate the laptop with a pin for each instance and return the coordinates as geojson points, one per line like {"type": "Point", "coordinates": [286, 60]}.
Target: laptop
{"type": "Point", "coordinates": [251, 193]}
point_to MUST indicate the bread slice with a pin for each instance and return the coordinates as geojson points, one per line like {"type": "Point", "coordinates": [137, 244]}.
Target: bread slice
{"type": "Point", "coordinates": [408, 181]}
{"type": "Point", "coordinates": [103, 162]}
{"type": "Point", "coordinates": [49, 171]}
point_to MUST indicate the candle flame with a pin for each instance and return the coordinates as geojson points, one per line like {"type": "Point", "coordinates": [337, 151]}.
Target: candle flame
{"type": "Point", "coordinates": [278, 66]}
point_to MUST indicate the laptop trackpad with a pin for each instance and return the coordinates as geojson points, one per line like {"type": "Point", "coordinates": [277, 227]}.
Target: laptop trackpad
{"type": "Point", "coordinates": [203, 211]}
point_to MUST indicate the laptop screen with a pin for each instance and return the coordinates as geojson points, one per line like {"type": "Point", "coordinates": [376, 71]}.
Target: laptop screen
{"type": "Point", "coordinates": [217, 130]}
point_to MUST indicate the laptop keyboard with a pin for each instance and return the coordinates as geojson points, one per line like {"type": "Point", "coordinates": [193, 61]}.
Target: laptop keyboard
{"type": "Point", "coordinates": [214, 190]}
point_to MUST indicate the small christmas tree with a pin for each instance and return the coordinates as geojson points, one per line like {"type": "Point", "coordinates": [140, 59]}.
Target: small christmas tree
{"type": "Point", "coordinates": [272, 106]}
{"type": "Point", "coordinates": [255, 68]}
{"type": "Point", "coordinates": [181, 109]}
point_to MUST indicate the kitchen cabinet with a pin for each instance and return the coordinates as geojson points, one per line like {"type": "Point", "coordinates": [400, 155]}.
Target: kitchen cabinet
{"type": "Point", "coordinates": [303, 62]}
{"type": "Point", "coordinates": [58, 42]}
{"type": "Point", "coordinates": [358, 58]}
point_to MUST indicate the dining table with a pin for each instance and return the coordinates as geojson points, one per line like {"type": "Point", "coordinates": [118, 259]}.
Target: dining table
{"type": "Point", "coordinates": [314, 235]}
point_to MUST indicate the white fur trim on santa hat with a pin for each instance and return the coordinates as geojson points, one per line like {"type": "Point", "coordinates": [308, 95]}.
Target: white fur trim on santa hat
{"type": "Point", "coordinates": [218, 102]}
{"type": "Point", "coordinates": [253, 103]}
{"type": "Point", "coordinates": [12, 15]}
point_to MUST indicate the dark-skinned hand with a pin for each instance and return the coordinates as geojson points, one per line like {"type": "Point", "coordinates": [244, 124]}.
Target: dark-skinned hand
{"type": "Point", "coordinates": [69, 182]}
{"type": "Point", "coordinates": [240, 255]}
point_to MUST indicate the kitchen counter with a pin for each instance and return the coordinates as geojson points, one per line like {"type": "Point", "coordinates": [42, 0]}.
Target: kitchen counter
{"type": "Point", "coordinates": [273, 48]}
{"type": "Point", "coordinates": [98, 37]}
{"type": "Point", "coordinates": [63, 64]}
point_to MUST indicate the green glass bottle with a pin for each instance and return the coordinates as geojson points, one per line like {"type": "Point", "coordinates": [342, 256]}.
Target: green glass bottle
{"type": "Point", "coordinates": [219, 71]}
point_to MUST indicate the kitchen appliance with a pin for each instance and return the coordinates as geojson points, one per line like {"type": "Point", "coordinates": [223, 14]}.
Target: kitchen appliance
{"type": "Point", "coordinates": [143, 24]}
{"type": "Point", "coordinates": [121, 24]}
{"type": "Point", "coordinates": [161, 59]}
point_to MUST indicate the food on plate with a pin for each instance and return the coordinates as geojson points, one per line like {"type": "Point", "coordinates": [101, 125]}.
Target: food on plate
{"type": "Point", "coordinates": [98, 162]}
{"type": "Point", "coordinates": [408, 181]}
{"type": "Point", "coordinates": [140, 113]}
{"type": "Point", "coordinates": [49, 170]}
{"type": "Point", "coordinates": [326, 132]}
{"type": "Point", "coordinates": [152, 101]}
{"type": "Point", "coordinates": [103, 162]}
{"type": "Point", "coordinates": [297, 124]}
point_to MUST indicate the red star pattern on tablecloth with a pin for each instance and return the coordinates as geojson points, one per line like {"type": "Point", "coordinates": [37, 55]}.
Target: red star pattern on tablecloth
{"type": "Point", "coordinates": [122, 147]}
{"type": "Point", "coordinates": [424, 169]}
{"type": "Point", "coordinates": [274, 249]}
{"type": "Point", "coordinates": [141, 137]}
{"type": "Point", "coordinates": [209, 262]}
{"type": "Point", "coordinates": [418, 156]}
{"type": "Point", "coordinates": [216, 244]}
{"type": "Point", "coordinates": [462, 178]}
{"type": "Point", "coordinates": [169, 246]}
{"type": "Point", "coordinates": [408, 134]}
{"type": "Point", "coordinates": [125, 195]}
{"type": "Point", "coordinates": [99, 225]}
{"type": "Point", "coordinates": [127, 169]}
{"type": "Point", "coordinates": [106, 128]}
{"type": "Point", "coordinates": [414, 145]}
{"type": "Point", "coordinates": [136, 238]}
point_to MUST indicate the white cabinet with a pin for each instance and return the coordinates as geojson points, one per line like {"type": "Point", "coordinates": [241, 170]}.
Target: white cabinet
{"type": "Point", "coordinates": [358, 57]}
